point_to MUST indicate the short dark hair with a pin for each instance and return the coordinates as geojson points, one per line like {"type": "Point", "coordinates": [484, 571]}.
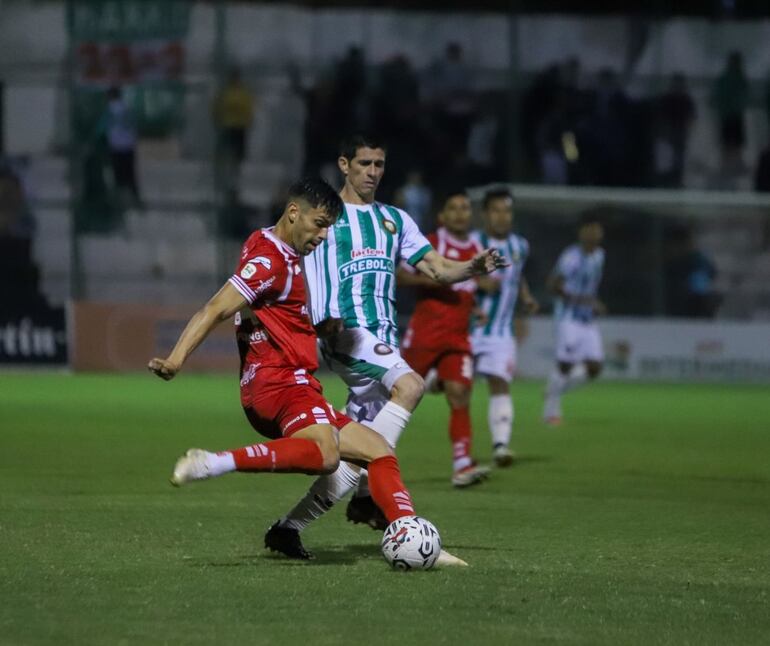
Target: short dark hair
{"type": "Point", "coordinates": [448, 194]}
{"type": "Point", "coordinates": [318, 194]}
{"type": "Point", "coordinates": [350, 144]}
{"type": "Point", "coordinates": [591, 216]}
{"type": "Point", "coordinates": [496, 194]}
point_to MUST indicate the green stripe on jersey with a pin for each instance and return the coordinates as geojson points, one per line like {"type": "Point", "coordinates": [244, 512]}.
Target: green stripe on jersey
{"type": "Point", "coordinates": [495, 299]}
{"type": "Point", "coordinates": [360, 366]}
{"type": "Point", "coordinates": [419, 255]}
{"type": "Point", "coordinates": [344, 240]}
{"type": "Point", "coordinates": [390, 333]}
{"type": "Point", "coordinates": [368, 280]}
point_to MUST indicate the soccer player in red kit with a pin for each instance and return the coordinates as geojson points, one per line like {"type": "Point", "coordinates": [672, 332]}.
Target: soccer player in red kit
{"type": "Point", "coordinates": [438, 333]}
{"type": "Point", "coordinates": [280, 396]}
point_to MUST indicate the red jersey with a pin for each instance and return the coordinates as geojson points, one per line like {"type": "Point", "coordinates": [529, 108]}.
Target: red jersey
{"type": "Point", "coordinates": [441, 317]}
{"type": "Point", "coordinates": [276, 333]}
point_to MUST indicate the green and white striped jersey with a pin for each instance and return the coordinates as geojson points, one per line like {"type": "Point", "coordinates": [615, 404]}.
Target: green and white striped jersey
{"type": "Point", "coordinates": [499, 307]}
{"type": "Point", "coordinates": [352, 275]}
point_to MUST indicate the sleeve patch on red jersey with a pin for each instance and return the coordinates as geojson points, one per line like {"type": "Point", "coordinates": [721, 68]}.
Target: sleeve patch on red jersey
{"type": "Point", "coordinates": [248, 271]}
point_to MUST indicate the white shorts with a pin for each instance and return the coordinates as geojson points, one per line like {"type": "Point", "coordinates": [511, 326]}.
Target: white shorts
{"type": "Point", "coordinates": [368, 366]}
{"type": "Point", "coordinates": [494, 356]}
{"type": "Point", "coordinates": [577, 342]}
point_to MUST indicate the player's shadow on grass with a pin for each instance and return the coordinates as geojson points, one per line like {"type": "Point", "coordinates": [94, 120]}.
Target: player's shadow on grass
{"type": "Point", "coordinates": [338, 555]}
{"type": "Point", "coordinates": [521, 461]}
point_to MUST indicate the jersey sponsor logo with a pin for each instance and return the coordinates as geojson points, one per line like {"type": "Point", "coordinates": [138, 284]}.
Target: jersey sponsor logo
{"type": "Point", "coordinates": [389, 226]}
{"type": "Point", "coordinates": [298, 418]}
{"type": "Point", "coordinates": [258, 336]}
{"type": "Point", "coordinates": [382, 349]}
{"type": "Point", "coordinates": [249, 374]}
{"type": "Point", "coordinates": [366, 252]}
{"type": "Point", "coordinates": [365, 266]}
{"type": "Point", "coordinates": [264, 285]}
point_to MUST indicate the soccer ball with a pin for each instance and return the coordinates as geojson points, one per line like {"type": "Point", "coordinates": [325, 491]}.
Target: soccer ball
{"type": "Point", "coordinates": [411, 543]}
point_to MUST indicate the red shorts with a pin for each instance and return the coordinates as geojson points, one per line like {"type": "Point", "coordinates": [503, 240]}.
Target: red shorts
{"type": "Point", "coordinates": [279, 402]}
{"type": "Point", "coordinates": [451, 365]}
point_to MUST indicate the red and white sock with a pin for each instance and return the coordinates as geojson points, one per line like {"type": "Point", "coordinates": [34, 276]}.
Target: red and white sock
{"type": "Point", "coordinates": [460, 434]}
{"type": "Point", "coordinates": [287, 455]}
{"type": "Point", "coordinates": [388, 490]}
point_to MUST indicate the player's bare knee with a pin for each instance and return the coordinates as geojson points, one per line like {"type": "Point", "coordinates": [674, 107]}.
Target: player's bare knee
{"type": "Point", "coordinates": [331, 457]}
{"type": "Point", "coordinates": [498, 386]}
{"type": "Point", "coordinates": [327, 443]}
{"type": "Point", "coordinates": [458, 395]}
{"type": "Point", "coordinates": [593, 369]}
{"type": "Point", "coordinates": [379, 449]}
{"type": "Point", "coordinates": [408, 391]}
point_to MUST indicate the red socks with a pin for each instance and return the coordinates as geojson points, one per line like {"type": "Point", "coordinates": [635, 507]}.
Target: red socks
{"type": "Point", "coordinates": [293, 455]}
{"type": "Point", "coordinates": [460, 434]}
{"type": "Point", "coordinates": [387, 488]}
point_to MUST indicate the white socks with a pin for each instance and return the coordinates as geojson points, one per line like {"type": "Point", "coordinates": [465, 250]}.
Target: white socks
{"type": "Point", "coordinates": [500, 418]}
{"type": "Point", "coordinates": [390, 422]}
{"type": "Point", "coordinates": [323, 494]}
{"type": "Point", "coordinates": [219, 463]}
{"type": "Point", "coordinates": [558, 384]}
{"type": "Point", "coordinates": [328, 490]}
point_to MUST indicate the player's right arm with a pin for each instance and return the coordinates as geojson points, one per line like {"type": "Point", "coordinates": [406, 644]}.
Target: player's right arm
{"type": "Point", "coordinates": [407, 278]}
{"type": "Point", "coordinates": [224, 304]}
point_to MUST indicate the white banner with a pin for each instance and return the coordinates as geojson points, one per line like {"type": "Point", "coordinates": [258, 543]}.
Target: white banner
{"type": "Point", "coordinates": [662, 350]}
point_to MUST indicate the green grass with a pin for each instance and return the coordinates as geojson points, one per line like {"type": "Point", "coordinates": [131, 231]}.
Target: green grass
{"type": "Point", "coordinates": [645, 519]}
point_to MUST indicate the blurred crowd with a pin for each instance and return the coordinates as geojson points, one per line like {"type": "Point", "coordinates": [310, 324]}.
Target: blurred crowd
{"type": "Point", "coordinates": [571, 127]}
{"type": "Point", "coordinates": [440, 131]}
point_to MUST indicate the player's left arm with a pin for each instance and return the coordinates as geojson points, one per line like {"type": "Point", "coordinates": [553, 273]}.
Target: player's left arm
{"type": "Point", "coordinates": [226, 302]}
{"type": "Point", "coordinates": [531, 306]}
{"type": "Point", "coordinates": [446, 271]}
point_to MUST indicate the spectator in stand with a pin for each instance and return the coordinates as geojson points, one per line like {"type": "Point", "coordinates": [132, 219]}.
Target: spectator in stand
{"type": "Point", "coordinates": [482, 141]}
{"type": "Point", "coordinates": [537, 106]}
{"type": "Point", "coordinates": [350, 100]}
{"type": "Point", "coordinates": [396, 111]}
{"type": "Point", "coordinates": [233, 116]}
{"type": "Point", "coordinates": [415, 198]}
{"type": "Point", "coordinates": [451, 96]}
{"type": "Point", "coordinates": [690, 276]}
{"type": "Point", "coordinates": [730, 98]}
{"type": "Point", "coordinates": [606, 133]}
{"type": "Point", "coordinates": [119, 126]}
{"type": "Point", "coordinates": [16, 221]}
{"type": "Point", "coordinates": [675, 115]}
{"type": "Point", "coordinates": [762, 171]}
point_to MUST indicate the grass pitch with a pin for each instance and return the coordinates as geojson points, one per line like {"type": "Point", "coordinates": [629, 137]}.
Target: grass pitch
{"type": "Point", "coordinates": [645, 519]}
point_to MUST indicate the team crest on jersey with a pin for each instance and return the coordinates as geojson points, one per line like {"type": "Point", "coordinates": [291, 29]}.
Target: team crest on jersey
{"type": "Point", "coordinates": [389, 226]}
{"type": "Point", "coordinates": [382, 349]}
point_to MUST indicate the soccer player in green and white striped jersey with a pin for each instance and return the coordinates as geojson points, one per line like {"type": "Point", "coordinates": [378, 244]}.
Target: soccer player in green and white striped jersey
{"type": "Point", "coordinates": [492, 338]}
{"type": "Point", "coordinates": [351, 285]}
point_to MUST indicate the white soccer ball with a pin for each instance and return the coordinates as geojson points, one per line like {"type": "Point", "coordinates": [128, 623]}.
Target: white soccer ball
{"type": "Point", "coordinates": [411, 543]}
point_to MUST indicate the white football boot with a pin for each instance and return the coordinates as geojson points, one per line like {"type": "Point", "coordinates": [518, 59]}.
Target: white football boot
{"type": "Point", "coordinates": [503, 456]}
{"type": "Point", "coordinates": [445, 559]}
{"type": "Point", "coordinates": [193, 465]}
{"type": "Point", "coordinates": [471, 475]}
